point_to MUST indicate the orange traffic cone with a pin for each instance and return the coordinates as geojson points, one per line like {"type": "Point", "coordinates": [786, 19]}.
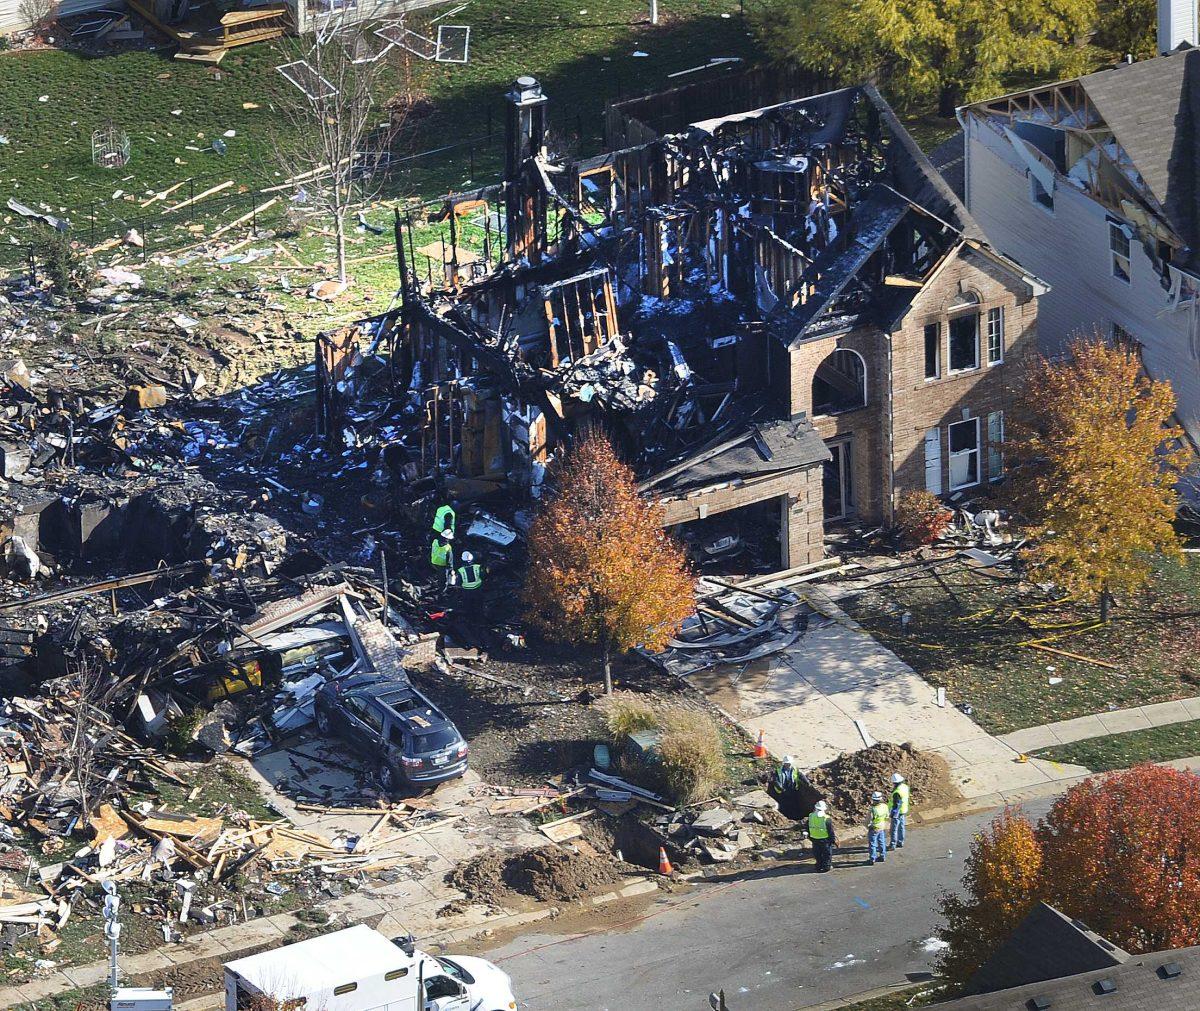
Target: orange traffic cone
{"type": "Point", "coordinates": [664, 865]}
{"type": "Point", "coordinates": [760, 749]}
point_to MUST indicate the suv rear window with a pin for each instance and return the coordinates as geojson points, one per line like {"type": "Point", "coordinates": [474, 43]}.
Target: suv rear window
{"type": "Point", "coordinates": [435, 740]}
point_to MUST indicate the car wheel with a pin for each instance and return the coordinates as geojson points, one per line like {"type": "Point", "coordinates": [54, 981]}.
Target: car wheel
{"type": "Point", "coordinates": [387, 778]}
{"type": "Point", "coordinates": [323, 723]}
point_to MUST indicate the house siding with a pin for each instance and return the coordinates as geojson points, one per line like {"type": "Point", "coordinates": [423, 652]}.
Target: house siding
{"type": "Point", "coordinates": [1069, 250]}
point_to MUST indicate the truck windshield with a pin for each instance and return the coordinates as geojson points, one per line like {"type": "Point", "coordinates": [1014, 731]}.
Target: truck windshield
{"type": "Point", "coordinates": [456, 970]}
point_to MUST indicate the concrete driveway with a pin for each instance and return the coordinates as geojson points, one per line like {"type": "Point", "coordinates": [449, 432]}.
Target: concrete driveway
{"type": "Point", "coordinates": [811, 699]}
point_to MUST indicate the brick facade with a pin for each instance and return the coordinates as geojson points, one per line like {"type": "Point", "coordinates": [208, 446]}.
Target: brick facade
{"type": "Point", "coordinates": [802, 536]}
{"type": "Point", "coordinates": [888, 435]}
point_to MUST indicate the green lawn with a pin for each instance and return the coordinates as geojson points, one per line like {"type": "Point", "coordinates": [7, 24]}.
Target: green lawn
{"type": "Point", "coordinates": [914, 996]}
{"type": "Point", "coordinates": [1120, 751]}
{"type": "Point", "coordinates": [173, 110]}
{"type": "Point", "coordinates": [968, 637]}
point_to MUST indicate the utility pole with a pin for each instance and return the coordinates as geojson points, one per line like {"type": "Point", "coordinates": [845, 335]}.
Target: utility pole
{"type": "Point", "coordinates": [654, 12]}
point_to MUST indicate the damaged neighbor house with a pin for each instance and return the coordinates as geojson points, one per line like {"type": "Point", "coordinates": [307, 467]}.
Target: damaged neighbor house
{"type": "Point", "coordinates": [1092, 184]}
{"type": "Point", "coordinates": [782, 318]}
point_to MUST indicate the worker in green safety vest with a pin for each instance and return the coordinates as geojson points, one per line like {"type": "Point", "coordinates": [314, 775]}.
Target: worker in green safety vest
{"type": "Point", "coordinates": [470, 574]}
{"type": "Point", "coordinates": [822, 836]}
{"type": "Point", "coordinates": [877, 823]}
{"type": "Point", "coordinates": [441, 557]}
{"type": "Point", "coordinates": [444, 520]}
{"type": "Point", "coordinates": [899, 812]}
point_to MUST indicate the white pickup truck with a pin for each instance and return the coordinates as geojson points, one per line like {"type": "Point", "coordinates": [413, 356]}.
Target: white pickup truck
{"type": "Point", "coordinates": [359, 969]}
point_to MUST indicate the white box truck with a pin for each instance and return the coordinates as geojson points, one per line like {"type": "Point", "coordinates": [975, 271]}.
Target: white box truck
{"type": "Point", "coordinates": [359, 969]}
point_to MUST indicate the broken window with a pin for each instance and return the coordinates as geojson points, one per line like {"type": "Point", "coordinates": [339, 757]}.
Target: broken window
{"type": "Point", "coordinates": [964, 454]}
{"type": "Point", "coordinates": [597, 194]}
{"type": "Point", "coordinates": [995, 424]}
{"type": "Point", "coordinates": [840, 383]}
{"type": "Point", "coordinates": [1118, 246]}
{"type": "Point", "coordinates": [933, 350]}
{"type": "Point", "coordinates": [995, 336]}
{"type": "Point", "coordinates": [933, 461]}
{"type": "Point", "coordinates": [838, 481]}
{"type": "Point", "coordinates": [964, 343]}
{"type": "Point", "coordinates": [1041, 196]}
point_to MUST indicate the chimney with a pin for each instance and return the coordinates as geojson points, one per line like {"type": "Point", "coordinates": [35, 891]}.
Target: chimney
{"type": "Point", "coordinates": [1177, 24]}
{"type": "Point", "coordinates": [524, 196]}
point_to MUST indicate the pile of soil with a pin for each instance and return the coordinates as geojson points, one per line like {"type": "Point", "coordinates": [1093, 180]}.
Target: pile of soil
{"type": "Point", "coordinates": [548, 874]}
{"type": "Point", "coordinates": [848, 781]}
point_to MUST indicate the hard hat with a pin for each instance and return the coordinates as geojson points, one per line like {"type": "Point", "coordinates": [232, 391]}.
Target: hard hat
{"type": "Point", "coordinates": [788, 760]}
{"type": "Point", "coordinates": [821, 807]}
{"type": "Point", "coordinates": [467, 557]}
{"type": "Point", "coordinates": [877, 795]}
{"type": "Point", "coordinates": [897, 778]}
{"type": "Point", "coordinates": [448, 534]}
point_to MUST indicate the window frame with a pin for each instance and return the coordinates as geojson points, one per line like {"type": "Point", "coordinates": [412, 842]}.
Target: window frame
{"type": "Point", "coordinates": [1120, 264]}
{"type": "Point", "coordinates": [973, 315]}
{"type": "Point", "coordinates": [995, 314]}
{"type": "Point", "coordinates": [953, 455]}
{"type": "Point", "coordinates": [936, 327]}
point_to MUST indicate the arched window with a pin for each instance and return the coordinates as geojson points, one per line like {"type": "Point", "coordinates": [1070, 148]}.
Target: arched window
{"type": "Point", "coordinates": [840, 383]}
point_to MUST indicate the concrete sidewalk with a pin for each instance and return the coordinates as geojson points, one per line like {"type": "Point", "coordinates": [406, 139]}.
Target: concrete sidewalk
{"type": "Point", "coordinates": [810, 699]}
{"type": "Point", "coordinates": [1118, 721]}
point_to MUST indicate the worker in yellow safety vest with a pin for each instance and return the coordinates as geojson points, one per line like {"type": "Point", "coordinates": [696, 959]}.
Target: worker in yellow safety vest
{"type": "Point", "coordinates": [441, 556]}
{"type": "Point", "coordinates": [877, 823]}
{"type": "Point", "coordinates": [899, 812]}
{"type": "Point", "coordinates": [444, 520]}
{"type": "Point", "coordinates": [822, 836]}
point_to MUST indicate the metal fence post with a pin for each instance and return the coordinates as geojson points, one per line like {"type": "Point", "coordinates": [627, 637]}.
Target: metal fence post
{"type": "Point", "coordinates": [92, 233]}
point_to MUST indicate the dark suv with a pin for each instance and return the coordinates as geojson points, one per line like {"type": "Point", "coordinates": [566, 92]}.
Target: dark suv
{"type": "Point", "coordinates": [400, 732]}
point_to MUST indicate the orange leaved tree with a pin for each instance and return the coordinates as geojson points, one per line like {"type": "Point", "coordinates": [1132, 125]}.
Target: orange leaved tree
{"type": "Point", "coordinates": [1115, 851]}
{"type": "Point", "coordinates": [602, 571]}
{"type": "Point", "coordinates": [1098, 464]}
{"type": "Point", "coordinates": [1000, 888]}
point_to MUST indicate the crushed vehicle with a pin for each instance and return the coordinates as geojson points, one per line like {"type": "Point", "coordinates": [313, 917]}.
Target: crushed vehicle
{"type": "Point", "coordinates": [412, 742]}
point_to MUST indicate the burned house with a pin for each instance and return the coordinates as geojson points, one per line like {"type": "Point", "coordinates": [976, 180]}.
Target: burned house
{"type": "Point", "coordinates": [781, 316]}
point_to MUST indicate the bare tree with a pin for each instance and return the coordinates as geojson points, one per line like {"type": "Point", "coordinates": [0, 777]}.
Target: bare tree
{"type": "Point", "coordinates": [39, 15]}
{"type": "Point", "coordinates": [337, 138]}
{"type": "Point", "coordinates": [87, 685]}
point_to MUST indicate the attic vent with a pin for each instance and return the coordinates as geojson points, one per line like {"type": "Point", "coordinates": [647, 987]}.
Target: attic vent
{"type": "Point", "coordinates": [1040, 1003]}
{"type": "Point", "coordinates": [1104, 986]}
{"type": "Point", "coordinates": [1079, 925]}
{"type": "Point", "coordinates": [1170, 970]}
{"type": "Point", "coordinates": [1104, 944]}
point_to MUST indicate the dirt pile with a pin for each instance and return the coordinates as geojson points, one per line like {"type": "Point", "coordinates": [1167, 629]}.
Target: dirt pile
{"type": "Point", "coordinates": [847, 782]}
{"type": "Point", "coordinates": [548, 874]}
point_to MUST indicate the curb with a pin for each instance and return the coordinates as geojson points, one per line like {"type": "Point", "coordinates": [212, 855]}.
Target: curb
{"type": "Point", "coordinates": [638, 886]}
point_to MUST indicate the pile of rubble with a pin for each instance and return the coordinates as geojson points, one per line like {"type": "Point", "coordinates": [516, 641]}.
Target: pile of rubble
{"type": "Point", "coordinates": [720, 834]}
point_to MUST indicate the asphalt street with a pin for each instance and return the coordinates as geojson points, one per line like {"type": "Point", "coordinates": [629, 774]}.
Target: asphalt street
{"type": "Point", "coordinates": [775, 939]}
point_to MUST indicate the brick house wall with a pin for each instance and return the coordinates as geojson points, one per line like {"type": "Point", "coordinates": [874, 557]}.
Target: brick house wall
{"type": "Point", "coordinates": [922, 405]}
{"type": "Point", "coordinates": [802, 531]}
{"type": "Point", "coordinates": [889, 434]}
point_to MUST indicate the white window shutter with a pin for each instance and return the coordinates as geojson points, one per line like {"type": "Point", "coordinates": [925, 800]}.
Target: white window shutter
{"type": "Point", "coordinates": [933, 461]}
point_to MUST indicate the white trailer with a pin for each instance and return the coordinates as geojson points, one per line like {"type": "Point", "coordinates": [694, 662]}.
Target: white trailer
{"type": "Point", "coordinates": [359, 969]}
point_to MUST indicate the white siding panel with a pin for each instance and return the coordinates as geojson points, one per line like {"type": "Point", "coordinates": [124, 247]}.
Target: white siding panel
{"type": "Point", "coordinates": [10, 18]}
{"type": "Point", "coordinates": [1069, 250]}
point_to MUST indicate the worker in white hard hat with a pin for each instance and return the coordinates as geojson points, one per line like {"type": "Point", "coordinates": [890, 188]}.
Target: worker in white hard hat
{"type": "Point", "coordinates": [899, 810]}
{"type": "Point", "coordinates": [822, 835]}
{"type": "Point", "coordinates": [877, 823]}
{"type": "Point", "coordinates": [783, 787]}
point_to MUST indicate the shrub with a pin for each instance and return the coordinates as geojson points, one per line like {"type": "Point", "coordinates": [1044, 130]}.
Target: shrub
{"type": "Point", "coordinates": [921, 518]}
{"type": "Point", "coordinates": [60, 260]}
{"type": "Point", "coordinates": [625, 716]}
{"type": "Point", "coordinates": [692, 755]}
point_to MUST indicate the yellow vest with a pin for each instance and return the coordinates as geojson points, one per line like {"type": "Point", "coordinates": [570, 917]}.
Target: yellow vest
{"type": "Point", "coordinates": [817, 826]}
{"type": "Point", "coordinates": [901, 794]}
{"type": "Point", "coordinates": [439, 553]}
{"type": "Point", "coordinates": [879, 816]}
